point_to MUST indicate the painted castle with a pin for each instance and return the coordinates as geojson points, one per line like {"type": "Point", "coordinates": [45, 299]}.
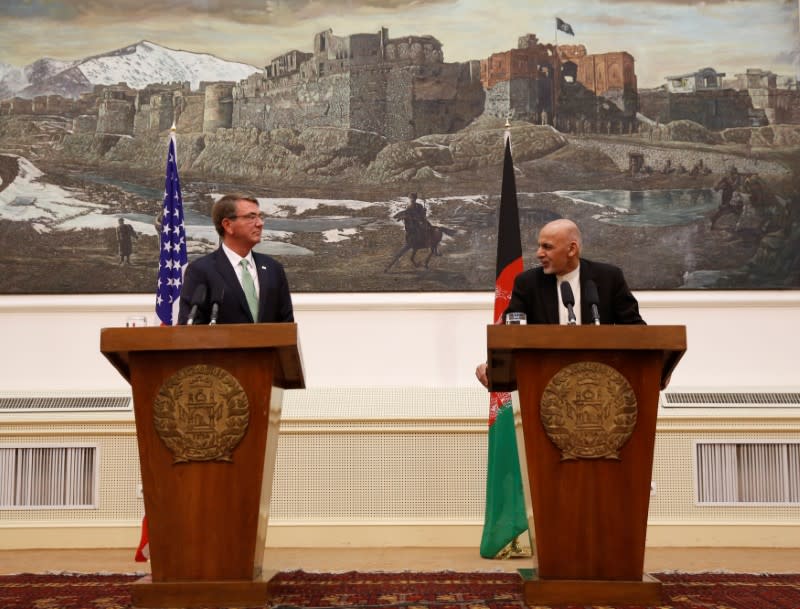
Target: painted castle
{"type": "Point", "coordinates": [402, 89]}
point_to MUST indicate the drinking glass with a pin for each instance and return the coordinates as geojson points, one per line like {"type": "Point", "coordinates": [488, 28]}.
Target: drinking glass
{"type": "Point", "coordinates": [517, 319]}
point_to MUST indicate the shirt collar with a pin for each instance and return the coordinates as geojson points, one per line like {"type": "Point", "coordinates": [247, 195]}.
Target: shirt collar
{"type": "Point", "coordinates": [235, 258]}
{"type": "Point", "coordinates": [571, 276]}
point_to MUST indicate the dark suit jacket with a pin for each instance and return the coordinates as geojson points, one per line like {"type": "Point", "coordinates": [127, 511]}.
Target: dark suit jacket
{"type": "Point", "coordinates": [214, 270]}
{"type": "Point", "coordinates": [535, 295]}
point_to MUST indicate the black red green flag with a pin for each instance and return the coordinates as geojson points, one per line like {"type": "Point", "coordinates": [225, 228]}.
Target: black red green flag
{"type": "Point", "coordinates": [505, 516]}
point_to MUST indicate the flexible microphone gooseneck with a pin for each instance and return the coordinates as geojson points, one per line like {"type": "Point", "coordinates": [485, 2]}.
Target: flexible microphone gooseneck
{"type": "Point", "coordinates": [593, 298]}
{"type": "Point", "coordinates": [198, 298]}
{"type": "Point", "coordinates": [217, 294]}
{"type": "Point", "coordinates": [568, 298]}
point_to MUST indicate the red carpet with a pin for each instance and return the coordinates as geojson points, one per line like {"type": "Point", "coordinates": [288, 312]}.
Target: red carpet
{"type": "Point", "coordinates": [448, 590]}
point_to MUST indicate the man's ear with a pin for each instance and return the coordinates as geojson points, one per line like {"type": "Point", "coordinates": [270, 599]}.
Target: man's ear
{"type": "Point", "coordinates": [573, 249]}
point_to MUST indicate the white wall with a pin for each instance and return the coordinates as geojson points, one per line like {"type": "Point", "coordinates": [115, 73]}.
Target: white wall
{"type": "Point", "coordinates": [735, 339]}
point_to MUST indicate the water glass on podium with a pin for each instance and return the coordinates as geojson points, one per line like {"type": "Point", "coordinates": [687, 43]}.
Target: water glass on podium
{"type": "Point", "coordinates": [516, 319]}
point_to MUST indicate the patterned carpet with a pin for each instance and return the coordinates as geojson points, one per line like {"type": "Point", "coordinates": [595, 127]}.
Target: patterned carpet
{"type": "Point", "coordinates": [446, 590]}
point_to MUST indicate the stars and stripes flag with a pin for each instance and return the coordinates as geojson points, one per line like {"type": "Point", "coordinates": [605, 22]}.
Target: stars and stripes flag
{"type": "Point", "coordinates": [143, 549]}
{"type": "Point", "coordinates": [505, 516]}
{"type": "Point", "coordinates": [172, 260]}
{"type": "Point", "coordinates": [171, 264]}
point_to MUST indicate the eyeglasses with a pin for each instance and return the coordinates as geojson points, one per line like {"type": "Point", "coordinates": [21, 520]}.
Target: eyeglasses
{"type": "Point", "coordinates": [252, 217]}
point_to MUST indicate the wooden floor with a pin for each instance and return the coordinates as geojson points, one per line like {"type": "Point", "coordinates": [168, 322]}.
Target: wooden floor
{"type": "Point", "coordinates": [743, 560]}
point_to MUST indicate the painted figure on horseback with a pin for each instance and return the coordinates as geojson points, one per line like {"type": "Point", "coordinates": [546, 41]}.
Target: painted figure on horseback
{"type": "Point", "coordinates": [415, 220]}
{"type": "Point", "coordinates": [420, 233]}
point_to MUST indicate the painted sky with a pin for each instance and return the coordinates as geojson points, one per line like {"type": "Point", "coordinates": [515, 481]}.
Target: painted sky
{"type": "Point", "coordinates": [665, 37]}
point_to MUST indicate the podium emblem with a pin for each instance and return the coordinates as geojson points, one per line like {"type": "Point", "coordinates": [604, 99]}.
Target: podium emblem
{"type": "Point", "coordinates": [588, 411]}
{"type": "Point", "coordinates": [201, 413]}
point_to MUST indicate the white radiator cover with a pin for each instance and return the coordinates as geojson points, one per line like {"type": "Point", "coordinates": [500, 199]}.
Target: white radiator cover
{"type": "Point", "coordinates": [40, 476]}
{"type": "Point", "coordinates": [743, 398]}
{"type": "Point", "coordinates": [395, 467]}
{"type": "Point", "coordinates": [735, 473]}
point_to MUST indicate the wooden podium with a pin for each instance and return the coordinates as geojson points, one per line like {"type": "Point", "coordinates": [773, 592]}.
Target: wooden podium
{"type": "Point", "coordinates": [588, 400]}
{"type": "Point", "coordinates": [207, 401]}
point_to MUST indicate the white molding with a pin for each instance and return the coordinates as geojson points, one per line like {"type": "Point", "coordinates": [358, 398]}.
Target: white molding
{"type": "Point", "coordinates": [322, 301]}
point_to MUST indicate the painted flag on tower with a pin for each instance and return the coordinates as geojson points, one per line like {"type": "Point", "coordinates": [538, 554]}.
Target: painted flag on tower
{"type": "Point", "coordinates": [172, 260]}
{"type": "Point", "coordinates": [564, 26]}
{"type": "Point", "coordinates": [505, 517]}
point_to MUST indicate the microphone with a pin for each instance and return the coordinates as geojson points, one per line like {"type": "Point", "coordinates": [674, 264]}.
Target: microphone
{"type": "Point", "coordinates": [217, 294]}
{"type": "Point", "coordinates": [198, 298]}
{"type": "Point", "coordinates": [593, 298]}
{"type": "Point", "coordinates": [568, 298]}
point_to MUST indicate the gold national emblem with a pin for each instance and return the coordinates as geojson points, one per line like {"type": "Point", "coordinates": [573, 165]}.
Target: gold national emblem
{"type": "Point", "coordinates": [588, 411]}
{"type": "Point", "coordinates": [201, 413]}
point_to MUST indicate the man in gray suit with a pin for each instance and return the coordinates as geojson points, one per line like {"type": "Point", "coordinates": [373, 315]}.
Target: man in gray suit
{"type": "Point", "coordinates": [249, 287]}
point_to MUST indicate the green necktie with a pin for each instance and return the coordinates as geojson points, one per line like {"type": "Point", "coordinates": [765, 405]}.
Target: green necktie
{"type": "Point", "coordinates": [249, 289]}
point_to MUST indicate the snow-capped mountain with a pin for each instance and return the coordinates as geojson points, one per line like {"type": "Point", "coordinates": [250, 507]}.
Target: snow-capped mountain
{"type": "Point", "coordinates": [137, 65]}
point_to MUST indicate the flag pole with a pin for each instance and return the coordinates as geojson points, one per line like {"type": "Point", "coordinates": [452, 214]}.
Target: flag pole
{"type": "Point", "coordinates": [556, 74]}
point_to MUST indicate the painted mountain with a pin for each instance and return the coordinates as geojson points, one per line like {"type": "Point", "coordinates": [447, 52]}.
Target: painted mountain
{"type": "Point", "coordinates": [137, 65]}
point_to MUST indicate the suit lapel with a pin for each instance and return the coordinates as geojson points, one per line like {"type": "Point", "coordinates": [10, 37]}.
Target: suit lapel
{"type": "Point", "coordinates": [550, 299]}
{"type": "Point", "coordinates": [262, 268]}
{"type": "Point", "coordinates": [585, 275]}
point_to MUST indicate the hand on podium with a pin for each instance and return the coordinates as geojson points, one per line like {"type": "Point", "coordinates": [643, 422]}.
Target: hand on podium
{"type": "Point", "coordinates": [481, 374]}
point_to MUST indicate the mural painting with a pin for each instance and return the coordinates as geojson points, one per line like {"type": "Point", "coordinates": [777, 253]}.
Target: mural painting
{"type": "Point", "coordinates": [372, 133]}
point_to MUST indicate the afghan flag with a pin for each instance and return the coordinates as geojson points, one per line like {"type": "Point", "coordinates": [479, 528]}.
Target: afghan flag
{"type": "Point", "coordinates": [505, 517]}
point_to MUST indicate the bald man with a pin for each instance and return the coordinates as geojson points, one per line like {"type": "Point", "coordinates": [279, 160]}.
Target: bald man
{"type": "Point", "coordinates": [537, 291]}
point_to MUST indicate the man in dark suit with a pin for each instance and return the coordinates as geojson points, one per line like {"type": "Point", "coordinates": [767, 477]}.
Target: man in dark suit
{"type": "Point", "coordinates": [253, 286]}
{"type": "Point", "coordinates": [537, 291]}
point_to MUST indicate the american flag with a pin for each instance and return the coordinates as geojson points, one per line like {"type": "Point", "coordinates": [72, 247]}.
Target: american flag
{"type": "Point", "coordinates": [172, 259]}
{"type": "Point", "coordinates": [171, 263]}
{"type": "Point", "coordinates": [143, 550]}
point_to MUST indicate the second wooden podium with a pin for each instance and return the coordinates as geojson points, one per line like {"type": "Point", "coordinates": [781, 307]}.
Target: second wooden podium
{"type": "Point", "coordinates": [588, 399]}
{"type": "Point", "coordinates": [207, 402]}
